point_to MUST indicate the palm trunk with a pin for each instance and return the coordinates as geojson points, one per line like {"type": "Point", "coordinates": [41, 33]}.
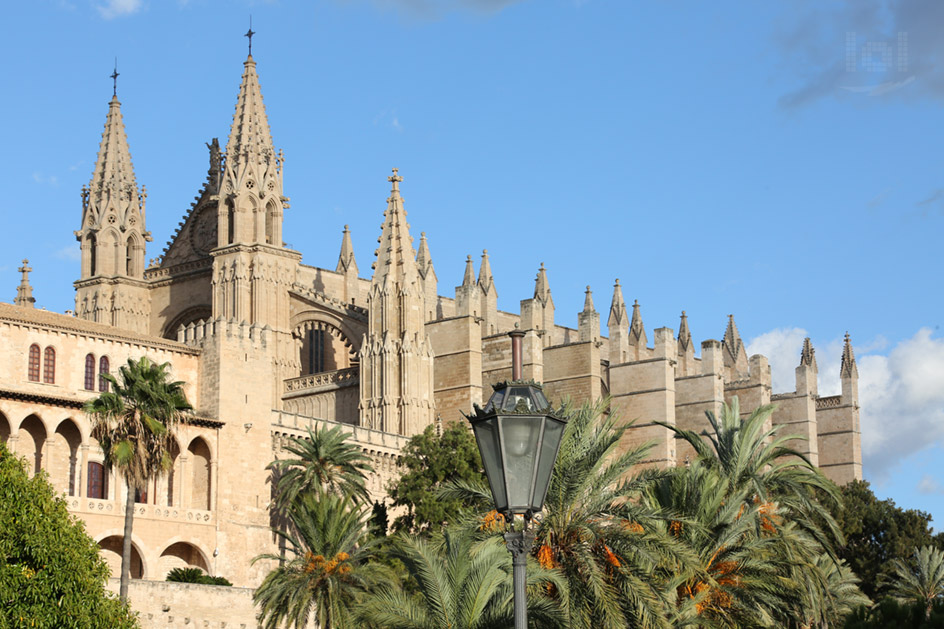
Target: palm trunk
{"type": "Point", "coordinates": [126, 545]}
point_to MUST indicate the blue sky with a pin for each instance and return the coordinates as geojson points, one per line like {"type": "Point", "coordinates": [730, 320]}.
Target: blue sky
{"type": "Point", "coordinates": [776, 160]}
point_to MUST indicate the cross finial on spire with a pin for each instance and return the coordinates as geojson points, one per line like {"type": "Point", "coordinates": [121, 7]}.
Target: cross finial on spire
{"type": "Point", "coordinates": [395, 179]}
{"type": "Point", "coordinates": [114, 80]}
{"type": "Point", "coordinates": [24, 292]}
{"type": "Point", "coordinates": [249, 34]}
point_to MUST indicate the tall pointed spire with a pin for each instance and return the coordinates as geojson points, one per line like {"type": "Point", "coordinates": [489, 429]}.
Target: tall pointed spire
{"type": "Point", "coordinates": [588, 321]}
{"type": "Point", "coordinates": [637, 331]}
{"type": "Point", "coordinates": [808, 354]}
{"type": "Point", "coordinates": [396, 383]}
{"type": "Point", "coordinates": [252, 200]}
{"type": "Point", "coordinates": [468, 278]}
{"type": "Point", "coordinates": [848, 368]}
{"type": "Point", "coordinates": [485, 273]}
{"type": "Point", "coordinates": [542, 291]}
{"type": "Point", "coordinates": [396, 259]}
{"type": "Point", "coordinates": [735, 356]}
{"type": "Point", "coordinates": [346, 257]}
{"type": "Point", "coordinates": [617, 306]}
{"type": "Point", "coordinates": [24, 292]}
{"type": "Point", "coordinates": [424, 261]}
{"type": "Point", "coordinates": [684, 335]}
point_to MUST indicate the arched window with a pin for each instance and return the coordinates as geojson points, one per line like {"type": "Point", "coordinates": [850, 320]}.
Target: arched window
{"type": "Point", "coordinates": [89, 372]}
{"type": "Point", "coordinates": [97, 481]}
{"type": "Point", "coordinates": [102, 370]}
{"type": "Point", "coordinates": [33, 372]}
{"type": "Point", "coordinates": [93, 255]}
{"type": "Point", "coordinates": [49, 365]}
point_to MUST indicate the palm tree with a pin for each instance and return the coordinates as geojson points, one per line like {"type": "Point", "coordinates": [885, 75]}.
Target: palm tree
{"type": "Point", "coordinates": [922, 581]}
{"type": "Point", "coordinates": [325, 460]}
{"type": "Point", "coordinates": [839, 597]}
{"type": "Point", "coordinates": [327, 569]}
{"type": "Point", "coordinates": [459, 583]}
{"type": "Point", "coordinates": [133, 422]}
{"type": "Point", "coordinates": [597, 533]}
{"type": "Point", "coordinates": [759, 464]}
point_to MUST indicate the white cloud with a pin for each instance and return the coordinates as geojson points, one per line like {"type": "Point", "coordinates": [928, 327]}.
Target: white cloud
{"type": "Point", "coordinates": [901, 394]}
{"type": "Point", "coordinates": [71, 252]}
{"type": "Point", "coordinates": [116, 8]}
{"type": "Point", "coordinates": [782, 348]}
{"type": "Point", "coordinates": [46, 180]}
{"type": "Point", "coordinates": [930, 485]}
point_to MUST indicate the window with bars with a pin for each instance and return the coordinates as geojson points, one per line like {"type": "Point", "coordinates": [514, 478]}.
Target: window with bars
{"type": "Point", "coordinates": [102, 370]}
{"type": "Point", "coordinates": [90, 372]}
{"type": "Point", "coordinates": [33, 371]}
{"type": "Point", "coordinates": [49, 365]}
{"type": "Point", "coordinates": [97, 481]}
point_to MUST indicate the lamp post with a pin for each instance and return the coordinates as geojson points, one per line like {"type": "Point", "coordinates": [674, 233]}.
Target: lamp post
{"type": "Point", "coordinates": [518, 435]}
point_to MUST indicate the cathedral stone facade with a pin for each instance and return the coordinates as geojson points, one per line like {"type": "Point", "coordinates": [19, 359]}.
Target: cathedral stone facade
{"type": "Point", "coordinates": [269, 346]}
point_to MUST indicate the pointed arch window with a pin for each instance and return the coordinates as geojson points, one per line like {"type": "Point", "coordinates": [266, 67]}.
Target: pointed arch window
{"type": "Point", "coordinates": [89, 372]}
{"type": "Point", "coordinates": [49, 365]}
{"type": "Point", "coordinates": [33, 371]}
{"type": "Point", "coordinates": [103, 366]}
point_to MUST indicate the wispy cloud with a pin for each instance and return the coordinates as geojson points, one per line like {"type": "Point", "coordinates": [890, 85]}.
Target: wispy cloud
{"type": "Point", "coordinates": [45, 180]}
{"type": "Point", "coordinates": [71, 253]}
{"type": "Point", "coordinates": [436, 8]}
{"type": "Point", "coordinates": [118, 8]}
{"type": "Point", "coordinates": [929, 485]}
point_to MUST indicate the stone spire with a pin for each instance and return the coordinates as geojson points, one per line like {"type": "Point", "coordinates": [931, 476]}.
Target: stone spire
{"type": "Point", "coordinates": [396, 259]}
{"type": "Point", "coordinates": [485, 274]}
{"type": "Point", "coordinates": [808, 354]}
{"type": "Point", "coordinates": [618, 327]}
{"type": "Point", "coordinates": [637, 331]}
{"type": "Point", "coordinates": [588, 321]}
{"type": "Point", "coordinates": [684, 334]}
{"type": "Point", "coordinates": [468, 278]}
{"type": "Point", "coordinates": [113, 209]}
{"type": "Point", "coordinates": [251, 205]}
{"type": "Point", "coordinates": [542, 291]}
{"type": "Point", "coordinates": [424, 261]}
{"type": "Point", "coordinates": [111, 287]}
{"type": "Point", "coordinates": [488, 296]}
{"type": "Point", "coordinates": [346, 260]}
{"type": "Point", "coordinates": [428, 279]}
{"type": "Point", "coordinates": [735, 356]}
{"type": "Point", "coordinates": [806, 371]}
{"type": "Point", "coordinates": [848, 368]}
{"type": "Point", "coordinates": [537, 313]}
{"type": "Point", "coordinates": [24, 292]}
{"type": "Point", "coordinates": [467, 295]}
{"type": "Point", "coordinates": [396, 380]}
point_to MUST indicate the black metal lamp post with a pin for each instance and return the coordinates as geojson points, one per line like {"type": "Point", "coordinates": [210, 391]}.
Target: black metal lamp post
{"type": "Point", "coordinates": [518, 435]}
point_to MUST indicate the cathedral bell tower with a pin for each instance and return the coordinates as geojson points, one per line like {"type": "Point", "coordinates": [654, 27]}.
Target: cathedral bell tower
{"type": "Point", "coordinates": [252, 270]}
{"type": "Point", "coordinates": [111, 288]}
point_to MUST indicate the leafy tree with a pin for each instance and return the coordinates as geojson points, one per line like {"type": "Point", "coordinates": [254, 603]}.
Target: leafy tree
{"type": "Point", "coordinates": [195, 575]}
{"type": "Point", "coordinates": [459, 584]}
{"type": "Point", "coordinates": [878, 533]}
{"type": "Point", "coordinates": [920, 580]}
{"type": "Point", "coordinates": [325, 460]}
{"type": "Point", "coordinates": [432, 462]}
{"type": "Point", "coordinates": [133, 422]}
{"type": "Point", "coordinates": [51, 574]}
{"type": "Point", "coordinates": [891, 614]}
{"type": "Point", "coordinates": [326, 571]}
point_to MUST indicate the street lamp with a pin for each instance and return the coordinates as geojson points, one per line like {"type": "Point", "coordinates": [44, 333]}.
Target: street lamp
{"type": "Point", "coordinates": [518, 435]}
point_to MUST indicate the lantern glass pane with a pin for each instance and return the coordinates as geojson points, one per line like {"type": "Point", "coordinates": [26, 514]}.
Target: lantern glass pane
{"type": "Point", "coordinates": [520, 435]}
{"type": "Point", "coordinates": [486, 434]}
{"type": "Point", "coordinates": [518, 399]}
{"type": "Point", "coordinates": [553, 432]}
{"type": "Point", "coordinates": [495, 401]}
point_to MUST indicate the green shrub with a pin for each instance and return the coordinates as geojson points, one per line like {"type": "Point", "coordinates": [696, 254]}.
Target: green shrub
{"type": "Point", "coordinates": [195, 575]}
{"type": "Point", "coordinates": [51, 573]}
